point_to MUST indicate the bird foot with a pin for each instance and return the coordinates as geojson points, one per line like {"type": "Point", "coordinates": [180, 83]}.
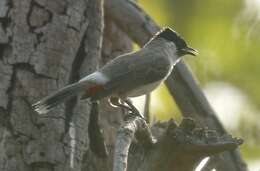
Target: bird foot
{"type": "Point", "coordinates": [125, 104]}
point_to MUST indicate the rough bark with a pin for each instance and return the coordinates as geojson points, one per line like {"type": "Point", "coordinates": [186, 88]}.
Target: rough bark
{"type": "Point", "coordinates": [44, 45]}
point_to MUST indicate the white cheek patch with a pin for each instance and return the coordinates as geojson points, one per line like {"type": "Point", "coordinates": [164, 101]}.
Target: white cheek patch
{"type": "Point", "coordinates": [96, 77]}
{"type": "Point", "coordinates": [173, 49]}
{"type": "Point", "coordinates": [171, 52]}
{"type": "Point", "coordinates": [172, 46]}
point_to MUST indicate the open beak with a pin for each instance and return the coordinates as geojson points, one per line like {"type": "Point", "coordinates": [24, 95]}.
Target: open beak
{"type": "Point", "coordinates": [191, 51]}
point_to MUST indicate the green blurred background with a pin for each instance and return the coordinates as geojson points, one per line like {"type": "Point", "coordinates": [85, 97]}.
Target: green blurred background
{"type": "Point", "coordinates": [227, 35]}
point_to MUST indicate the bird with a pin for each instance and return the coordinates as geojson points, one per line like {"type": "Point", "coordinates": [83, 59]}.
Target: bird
{"type": "Point", "coordinates": [128, 75]}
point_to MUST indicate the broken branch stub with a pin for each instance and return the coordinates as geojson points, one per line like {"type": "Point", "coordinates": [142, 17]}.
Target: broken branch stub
{"type": "Point", "coordinates": [177, 148]}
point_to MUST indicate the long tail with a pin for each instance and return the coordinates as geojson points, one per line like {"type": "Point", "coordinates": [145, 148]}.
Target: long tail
{"type": "Point", "coordinates": [47, 103]}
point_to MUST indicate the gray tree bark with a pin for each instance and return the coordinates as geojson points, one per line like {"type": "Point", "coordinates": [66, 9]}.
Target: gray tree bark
{"type": "Point", "coordinates": [46, 44]}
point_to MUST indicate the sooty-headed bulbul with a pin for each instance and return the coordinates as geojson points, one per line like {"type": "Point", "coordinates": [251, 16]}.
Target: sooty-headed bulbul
{"type": "Point", "coordinates": [128, 75]}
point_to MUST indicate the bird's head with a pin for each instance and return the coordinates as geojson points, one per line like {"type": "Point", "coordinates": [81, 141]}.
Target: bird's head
{"type": "Point", "coordinates": [180, 44]}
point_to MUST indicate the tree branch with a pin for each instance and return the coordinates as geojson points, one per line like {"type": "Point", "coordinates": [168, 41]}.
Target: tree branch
{"type": "Point", "coordinates": [178, 148]}
{"type": "Point", "coordinates": [95, 133]}
{"type": "Point", "coordinates": [182, 147]}
{"type": "Point", "coordinates": [125, 136]}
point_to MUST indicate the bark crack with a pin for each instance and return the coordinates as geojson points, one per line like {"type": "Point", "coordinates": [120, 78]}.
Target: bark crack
{"type": "Point", "coordinates": [30, 68]}
{"type": "Point", "coordinates": [5, 50]}
{"type": "Point", "coordinates": [5, 20]}
{"type": "Point", "coordinates": [9, 92]}
{"type": "Point", "coordinates": [73, 77]}
{"type": "Point", "coordinates": [5, 23]}
{"type": "Point", "coordinates": [38, 16]}
{"type": "Point", "coordinates": [74, 74]}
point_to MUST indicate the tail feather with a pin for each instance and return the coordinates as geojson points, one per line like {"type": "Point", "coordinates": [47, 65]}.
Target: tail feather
{"type": "Point", "coordinates": [46, 104]}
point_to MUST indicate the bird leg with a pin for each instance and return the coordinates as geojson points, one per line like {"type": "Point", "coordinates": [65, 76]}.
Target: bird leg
{"type": "Point", "coordinates": [117, 102]}
{"type": "Point", "coordinates": [132, 108]}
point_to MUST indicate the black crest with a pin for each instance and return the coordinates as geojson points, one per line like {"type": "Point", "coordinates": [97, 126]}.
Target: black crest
{"type": "Point", "coordinates": [173, 36]}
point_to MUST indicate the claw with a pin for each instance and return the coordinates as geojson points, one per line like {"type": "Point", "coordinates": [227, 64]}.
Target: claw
{"type": "Point", "coordinates": [118, 102]}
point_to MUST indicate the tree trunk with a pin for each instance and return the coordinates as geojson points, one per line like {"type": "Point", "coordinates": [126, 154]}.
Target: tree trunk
{"type": "Point", "coordinates": [45, 45]}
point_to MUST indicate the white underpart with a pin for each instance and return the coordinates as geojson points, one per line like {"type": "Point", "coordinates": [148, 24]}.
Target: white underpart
{"type": "Point", "coordinates": [96, 77]}
{"type": "Point", "coordinates": [144, 89]}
